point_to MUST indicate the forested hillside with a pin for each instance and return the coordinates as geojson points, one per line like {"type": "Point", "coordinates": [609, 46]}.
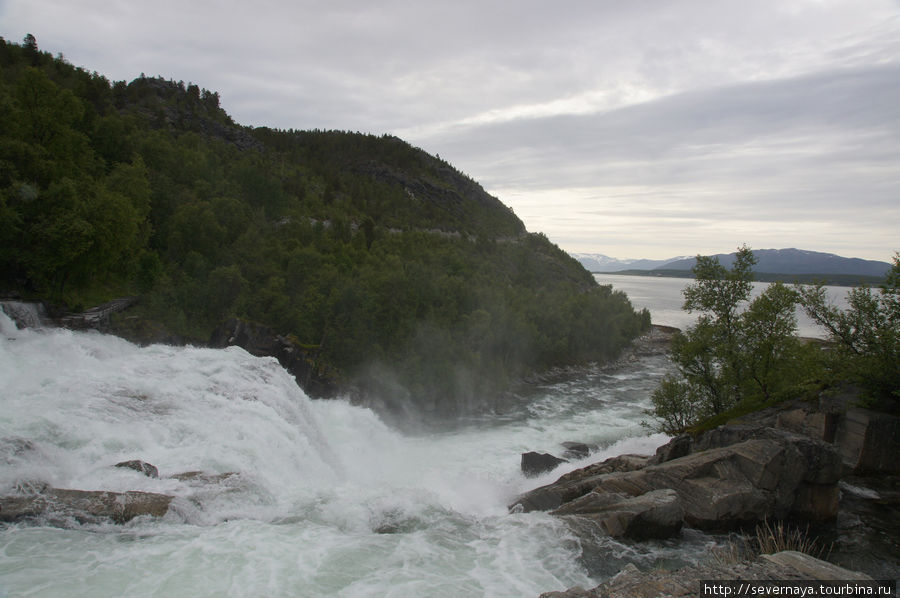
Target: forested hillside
{"type": "Point", "coordinates": [389, 269]}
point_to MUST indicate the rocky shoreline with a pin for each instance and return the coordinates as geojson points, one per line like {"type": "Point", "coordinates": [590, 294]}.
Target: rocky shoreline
{"type": "Point", "coordinates": [786, 463]}
{"type": "Point", "coordinates": [791, 569]}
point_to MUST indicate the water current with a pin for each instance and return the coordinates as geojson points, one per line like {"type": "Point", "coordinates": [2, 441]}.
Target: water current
{"type": "Point", "coordinates": [327, 500]}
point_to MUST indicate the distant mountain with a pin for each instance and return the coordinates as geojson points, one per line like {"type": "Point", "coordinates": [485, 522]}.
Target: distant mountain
{"type": "Point", "coordinates": [795, 261]}
{"type": "Point", "coordinates": [597, 262]}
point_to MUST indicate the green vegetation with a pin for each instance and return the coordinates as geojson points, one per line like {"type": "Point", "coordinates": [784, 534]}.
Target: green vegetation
{"type": "Point", "coordinates": [865, 337]}
{"type": "Point", "coordinates": [392, 268]}
{"type": "Point", "coordinates": [742, 355]}
{"type": "Point", "coordinates": [737, 353]}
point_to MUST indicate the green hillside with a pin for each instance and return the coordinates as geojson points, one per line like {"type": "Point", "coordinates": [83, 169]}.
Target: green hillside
{"type": "Point", "coordinates": [392, 271]}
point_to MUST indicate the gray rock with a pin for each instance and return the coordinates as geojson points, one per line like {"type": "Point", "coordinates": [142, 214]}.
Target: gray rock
{"type": "Point", "coordinates": [869, 441]}
{"type": "Point", "coordinates": [84, 506]}
{"type": "Point", "coordinates": [534, 464]}
{"type": "Point", "coordinates": [786, 567]}
{"type": "Point", "coordinates": [719, 488]}
{"type": "Point", "coordinates": [655, 514]}
{"type": "Point", "coordinates": [141, 466]}
{"type": "Point", "coordinates": [577, 450]}
{"type": "Point", "coordinates": [261, 340]}
{"type": "Point", "coordinates": [202, 477]}
{"type": "Point", "coordinates": [576, 483]}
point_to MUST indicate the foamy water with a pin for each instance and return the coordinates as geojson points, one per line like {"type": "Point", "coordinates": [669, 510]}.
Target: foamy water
{"type": "Point", "coordinates": [326, 499]}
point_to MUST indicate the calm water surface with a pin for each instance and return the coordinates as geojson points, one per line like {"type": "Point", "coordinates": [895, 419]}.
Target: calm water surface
{"type": "Point", "coordinates": [663, 297]}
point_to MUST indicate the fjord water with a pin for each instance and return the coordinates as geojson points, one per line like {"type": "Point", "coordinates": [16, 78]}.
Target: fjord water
{"type": "Point", "coordinates": [327, 500]}
{"type": "Point", "coordinates": [663, 297]}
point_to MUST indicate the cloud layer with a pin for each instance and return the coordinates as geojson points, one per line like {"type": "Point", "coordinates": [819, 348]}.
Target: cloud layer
{"type": "Point", "coordinates": [636, 129]}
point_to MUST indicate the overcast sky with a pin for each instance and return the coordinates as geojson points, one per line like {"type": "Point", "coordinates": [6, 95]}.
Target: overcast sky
{"type": "Point", "coordinates": [642, 129]}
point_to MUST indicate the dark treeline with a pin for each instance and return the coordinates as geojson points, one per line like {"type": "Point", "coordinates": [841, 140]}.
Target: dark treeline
{"type": "Point", "coordinates": [363, 250]}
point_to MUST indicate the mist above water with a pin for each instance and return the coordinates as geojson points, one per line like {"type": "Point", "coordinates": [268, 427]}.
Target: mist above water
{"type": "Point", "coordinates": [326, 500]}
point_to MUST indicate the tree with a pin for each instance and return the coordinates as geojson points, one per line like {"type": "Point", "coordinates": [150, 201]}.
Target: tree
{"type": "Point", "coordinates": [737, 352]}
{"type": "Point", "coordinates": [866, 335]}
{"type": "Point", "coordinates": [29, 44]}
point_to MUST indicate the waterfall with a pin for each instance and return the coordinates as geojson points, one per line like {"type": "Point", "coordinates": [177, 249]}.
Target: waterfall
{"type": "Point", "coordinates": [277, 494]}
{"type": "Point", "coordinates": [25, 315]}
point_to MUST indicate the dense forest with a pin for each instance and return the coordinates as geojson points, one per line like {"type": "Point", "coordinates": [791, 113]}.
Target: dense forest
{"type": "Point", "coordinates": [393, 272]}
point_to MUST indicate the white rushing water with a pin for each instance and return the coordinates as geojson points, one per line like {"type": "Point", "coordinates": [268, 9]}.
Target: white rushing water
{"type": "Point", "coordinates": [327, 500]}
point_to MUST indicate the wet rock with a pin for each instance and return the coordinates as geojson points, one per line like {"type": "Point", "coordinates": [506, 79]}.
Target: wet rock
{"type": "Point", "coordinates": [676, 448]}
{"type": "Point", "coordinates": [141, 466]}
{"type": "Point", "coordinates": [655, 514]}
{"type": "Point", "coordinates": [534, 464]}
{"type": "Point", "coordinates": [202, 477]}
{"type": "Point", "coordinates": [84, 506]}
{"type": "Point", "coordinates": [575, 483]}
{"type": "Point", "coordinates": [261, 341]}
{"type": "Point", "coordinates": [97, 318]}
{"type": "Point", "coordinates": [787, 566]}
{"type": "Point", "coordinates": [720, 488]}
{"type": "Point", "coordinates": [577, 450]}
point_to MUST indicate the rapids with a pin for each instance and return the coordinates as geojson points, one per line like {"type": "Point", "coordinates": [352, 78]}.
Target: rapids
{"type": "Point", "coordinates": [328, 500]}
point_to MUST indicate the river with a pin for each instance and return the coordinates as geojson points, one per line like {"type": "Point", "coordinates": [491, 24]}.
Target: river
{"type": "Point", "coordinates": [328, 500]}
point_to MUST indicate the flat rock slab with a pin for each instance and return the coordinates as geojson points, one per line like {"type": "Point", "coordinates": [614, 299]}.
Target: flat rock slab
{"type": "Point", "coordinates": [720, 487]}
{"type": "Point", "coordinates": [785, 567]}
{"type": "Point", "coordinates": [656, 514]}
{"type": "Point", "coordinates": [84, 506]}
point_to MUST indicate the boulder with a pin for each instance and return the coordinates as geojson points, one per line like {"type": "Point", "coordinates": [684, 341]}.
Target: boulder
{"type": "Point", "coordinates": [141, 466]}
{"type": "Point", "coordinates": [790, 569]}
{"type": "Point", "coordinates": [84, 506]}
{"type": "Point", "coordinates": [719, 488]}
{"type": "Point", "coordinates": [575, 483]}
{"type": "Point", "coordinates": [577, 450]}
{"type": "Point", "coordinates": [655, 514]}
{"type": "Point", "coordinates": [534, 464]}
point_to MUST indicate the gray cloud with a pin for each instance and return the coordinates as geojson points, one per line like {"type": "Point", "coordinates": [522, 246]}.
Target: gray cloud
{"type": "Point", "coordinates": [640, 126]}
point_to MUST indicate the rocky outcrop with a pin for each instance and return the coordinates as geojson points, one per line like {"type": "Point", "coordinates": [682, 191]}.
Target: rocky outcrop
{"type": "Point", "coordinates": [83, 506]}
{"type": "Point", "coordinates": [654, 514]}
{"type": "Point", "coordinates": [260, 340]}
{"type": "Point", "coordinates": [789, 568]}
{"type": "Point", "coordinates": [738, 477]}
{"type": "Point", "coordinates": [575, 484]}
{"type": "Point", "coordinates": [869, 441]}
